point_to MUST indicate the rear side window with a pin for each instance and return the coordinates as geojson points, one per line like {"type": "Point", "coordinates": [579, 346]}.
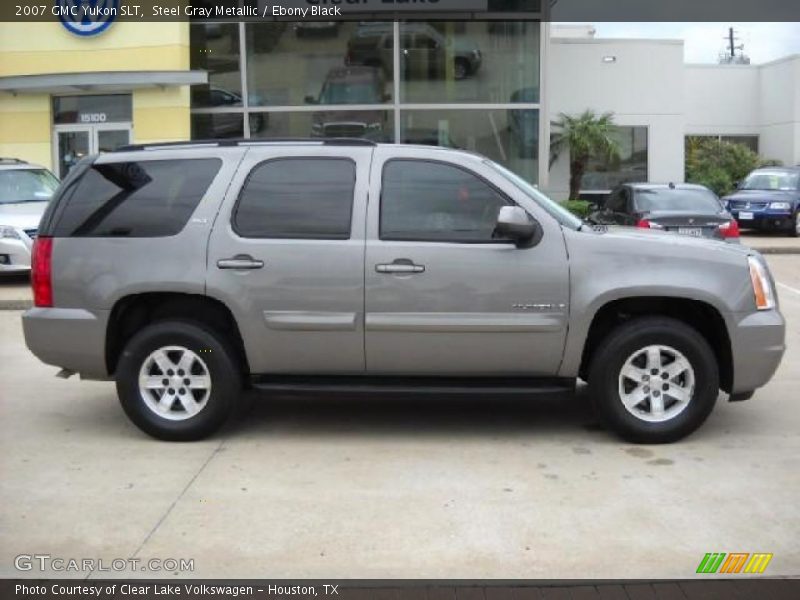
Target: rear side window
{"type": "Point", "coordinates": [136, 199]}
{"type": "Point", "coordinates": [302, 198]}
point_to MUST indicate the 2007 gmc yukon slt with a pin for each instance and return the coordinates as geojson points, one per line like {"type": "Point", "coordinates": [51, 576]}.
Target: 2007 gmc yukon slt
{"type": "Point", "coordinates": [186, 272]}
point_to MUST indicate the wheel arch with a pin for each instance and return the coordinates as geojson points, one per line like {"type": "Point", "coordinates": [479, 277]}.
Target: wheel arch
{"type": "Point", "coordinates": [698, 314]}
{"type": "Point", "coordinates": [135, 311]}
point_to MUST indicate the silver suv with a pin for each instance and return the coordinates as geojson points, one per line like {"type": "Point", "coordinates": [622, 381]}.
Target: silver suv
{"type": "Point", "coordinates": [188, 272]}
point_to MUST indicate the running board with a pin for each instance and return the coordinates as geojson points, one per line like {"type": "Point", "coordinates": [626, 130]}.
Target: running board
{"type": "Point", "coordinates": [413, 385]}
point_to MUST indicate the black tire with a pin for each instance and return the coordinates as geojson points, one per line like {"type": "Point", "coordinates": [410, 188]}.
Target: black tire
{"type": "Point", "coordinates": [625, 341]}
{"type": "Point", "coordinates": [219, 359]}
{"type": "Point", "coordinates": [795, 230]}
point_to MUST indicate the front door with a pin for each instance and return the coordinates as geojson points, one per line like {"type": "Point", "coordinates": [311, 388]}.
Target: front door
{"type": "Point", "coordinates": [287, 256]}
{"type": "Point", "coordinates": [73, 142]}
{"type": "Point", "coordinates": [442, 296]}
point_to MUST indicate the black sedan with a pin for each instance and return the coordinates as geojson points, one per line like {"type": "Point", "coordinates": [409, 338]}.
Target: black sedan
{"type": "Point", "coordinates": [683, 208]}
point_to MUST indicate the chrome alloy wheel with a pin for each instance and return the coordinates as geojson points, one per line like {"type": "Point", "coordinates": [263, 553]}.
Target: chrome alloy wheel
{"type": "Point", "coordinates": [174, 383]}
{"type": "Point", "coordinates": [656, 384]}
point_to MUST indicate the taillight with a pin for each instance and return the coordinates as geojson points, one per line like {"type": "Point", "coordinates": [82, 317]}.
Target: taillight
{"type": "Point", "coordinates": [41, 272]}
{"type": "Point", "coordinates": [729, 229]}
{"type": "Point", "coordinates": [645, 224]}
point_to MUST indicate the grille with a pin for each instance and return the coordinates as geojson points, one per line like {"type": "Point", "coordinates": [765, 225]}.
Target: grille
{"type": "Point", "coordinates": [353, 130]}
{"type": "Point", "coordinates": [31, 233]}
{"type": "Point", "coordinates": [745, 204]}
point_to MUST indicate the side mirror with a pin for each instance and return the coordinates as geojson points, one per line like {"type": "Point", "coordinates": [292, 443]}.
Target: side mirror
{"type": "Point", "coordinates": [311, 100]}
{"type": "Point", "coordinates": [737, 185]}
{"type": "Point", "coordinates": [513, 223]}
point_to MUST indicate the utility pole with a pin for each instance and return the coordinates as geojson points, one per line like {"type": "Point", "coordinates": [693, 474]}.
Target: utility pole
{"type": "Point", "coordinates": [730, 56]}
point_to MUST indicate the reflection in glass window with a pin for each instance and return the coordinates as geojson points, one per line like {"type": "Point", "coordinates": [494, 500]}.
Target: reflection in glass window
{"type": "Point", "coordinates": [375, 125]}
{"type": "Point", "coordinates": [215, 48]}
{"type": "Point", "coordinates": [475, 61]}
{"type": "Point", "coordinates": [630, 166]}
{"type": "Point", "coordinates": [429, 201]}
{"type": "Point", "coordinates": [290, 64]}
{"type": "Point", "coordinates": [750, 141]}
{"type": "Point", "coordinates": [217, 125]}
{"type": "Point", "coordinates": [509, 137]}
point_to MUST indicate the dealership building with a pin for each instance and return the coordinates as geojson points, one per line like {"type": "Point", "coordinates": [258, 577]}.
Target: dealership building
{"type": "Point", "coordinates": [483, 85]}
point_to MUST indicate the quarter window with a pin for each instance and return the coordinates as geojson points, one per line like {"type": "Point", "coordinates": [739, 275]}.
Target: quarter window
{"type": "Point", "coordinates": [137, 199]}
{"type": "Point", "coordinates": [429, 201]}
{"type": "Point", "coordinates": [303, 198]}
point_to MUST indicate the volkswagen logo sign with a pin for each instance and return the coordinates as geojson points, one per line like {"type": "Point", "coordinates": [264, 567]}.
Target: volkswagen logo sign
{"type": "Point", "coordinates": [87, 17]}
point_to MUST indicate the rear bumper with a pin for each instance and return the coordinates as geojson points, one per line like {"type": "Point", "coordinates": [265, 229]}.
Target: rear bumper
{"type": "Point", "coordinates": [69, 338]}
{"type": "Point", "coordinates": [758, 343]}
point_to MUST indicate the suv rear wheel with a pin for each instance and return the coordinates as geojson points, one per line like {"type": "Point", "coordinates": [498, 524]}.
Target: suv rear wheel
{"type": "Point", "coordinates": [654, 380]}
{"type": "Point", "coordinates": [178, 381]}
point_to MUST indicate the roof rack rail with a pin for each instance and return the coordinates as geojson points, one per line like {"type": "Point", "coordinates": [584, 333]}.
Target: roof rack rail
{"type": "Point", "coordinates": [14, 161]}
{"type": "Point", "coordinates": [226, 143]}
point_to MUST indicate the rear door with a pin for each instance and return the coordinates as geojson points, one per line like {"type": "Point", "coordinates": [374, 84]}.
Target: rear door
{"type": "Point", "coordinates": [287, 255]}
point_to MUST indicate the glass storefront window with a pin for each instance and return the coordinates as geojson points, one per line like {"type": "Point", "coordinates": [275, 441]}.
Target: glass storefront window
{"type": "Point", "coordinates": [375, 125]}
{"type": "Point", "coordinates": [469, 61]}
{"type": "Point", "coordinates": [629, 166]}
{"type": "Point", "coordinates": [217, 125]}
{"type": "Point", "coordinates": [92, 110]}
{"type": "Point", "coordinates": [215, 48]}
{"type": "Point", "coordinates": [750, 141]}
{"type": "Point", "coordinates": [291, 64]}
{"type": "Point", "coordinates": [509, 137]}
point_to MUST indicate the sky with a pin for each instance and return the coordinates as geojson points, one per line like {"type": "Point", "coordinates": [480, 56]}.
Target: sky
{"type": "Point", "coordinates": [763, 42]}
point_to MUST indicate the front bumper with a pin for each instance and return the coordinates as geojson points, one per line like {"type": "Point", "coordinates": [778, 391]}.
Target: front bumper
{"type": "Point", "coordinates": [758, 343]}
{"type": "Point", "coordinates": [70, 338]}
{"type": "Point", "coordinates": [764, 219]}
{"type": "Point", "coordinates": [15, 255]}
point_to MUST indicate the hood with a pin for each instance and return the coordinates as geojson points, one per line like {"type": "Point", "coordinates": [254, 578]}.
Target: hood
{"type": "Point", "coordinates": [645, 238]}
{"type": "Point", "coordinates": [24, 215]}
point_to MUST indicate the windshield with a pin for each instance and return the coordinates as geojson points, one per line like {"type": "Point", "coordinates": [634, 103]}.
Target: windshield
{"type": "Point", "coordinates": [772, 180]}
{"type": "Point", "coordinates": [349, 93]}
{"type": "Point", "coordinates": [699, 201]}
{"type": "Point", "coordinates": [26, 185]}
{"type": "Point", "coordinates": [558, 212]}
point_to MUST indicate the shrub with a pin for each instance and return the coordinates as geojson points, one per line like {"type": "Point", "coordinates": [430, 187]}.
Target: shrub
{"type": "Point", "coordinates": [719, 165]}
{"type": "Point", "coordinates": [579, 208]}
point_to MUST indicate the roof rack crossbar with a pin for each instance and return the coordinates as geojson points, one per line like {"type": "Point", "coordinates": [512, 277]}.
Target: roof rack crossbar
{"type": "Point", "coordinates": [226, 143]}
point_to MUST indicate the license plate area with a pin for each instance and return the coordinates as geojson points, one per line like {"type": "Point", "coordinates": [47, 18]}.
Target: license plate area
{"type": "Point", "coordinates": [746, 216]}
{"type": "Point", "coordinates": [692, 231]}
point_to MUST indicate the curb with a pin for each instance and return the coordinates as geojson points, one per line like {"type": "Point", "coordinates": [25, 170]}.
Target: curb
{"type": "Point", "coordinates": [778, 251]}
{"type": "Point", "coordinates": [15, 304]}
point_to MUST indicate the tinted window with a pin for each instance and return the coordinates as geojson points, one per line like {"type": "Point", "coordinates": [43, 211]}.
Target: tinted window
{"type": "Point", "coordinates": [701, 201]}
{"type": "Point", "coordinates": [430, 201]}
{"type": "Point", "coordinates": [298, 198]}
{"type": "Point", "coordinates": [136, 199]}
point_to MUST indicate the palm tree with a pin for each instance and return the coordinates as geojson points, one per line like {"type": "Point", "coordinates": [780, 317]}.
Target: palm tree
{"type": "Point", "coordinates": [585, 136]}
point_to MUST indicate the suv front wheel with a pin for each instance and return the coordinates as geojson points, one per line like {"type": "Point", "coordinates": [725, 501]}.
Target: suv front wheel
{"type": "Point", "coordinates": [654, 380]}
{"type": "Point", "coordinates": [178, 381]}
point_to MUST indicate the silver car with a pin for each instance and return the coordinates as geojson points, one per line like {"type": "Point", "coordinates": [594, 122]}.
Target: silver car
{"type": "Point", "coordinates": [25, 190]}
{"type": "Point", "coordinates": [188, 272]}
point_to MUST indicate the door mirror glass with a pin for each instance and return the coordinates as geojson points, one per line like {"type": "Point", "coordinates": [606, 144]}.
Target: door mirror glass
{"type": "Point", "coordinates": [513, 223]}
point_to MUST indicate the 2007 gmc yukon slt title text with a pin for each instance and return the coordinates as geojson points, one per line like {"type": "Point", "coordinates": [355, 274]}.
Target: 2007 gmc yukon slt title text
{"type": "Point", "coordinates": [187, 272]}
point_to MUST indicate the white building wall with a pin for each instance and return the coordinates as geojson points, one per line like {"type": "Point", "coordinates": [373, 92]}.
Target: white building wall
{"type": "Point", "coordinates": [644, 86]}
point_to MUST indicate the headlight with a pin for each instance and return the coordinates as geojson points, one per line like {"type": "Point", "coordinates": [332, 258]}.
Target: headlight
{"type": "Point", "coordinates": [9, 232]}
{"type": "Point", "coordinates": [762, 286]}
{"type": "Point", "coordinates": [780, 206]}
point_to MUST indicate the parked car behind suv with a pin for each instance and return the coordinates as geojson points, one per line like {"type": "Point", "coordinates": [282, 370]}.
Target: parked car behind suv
{"type": "Point", "coordinates": [683, 208]}
{"type": "Point", "coordinates": [25, 190]}
{"type": "Point", "coordinates": [188, 272]}
{"type": "Point", "coordinates": [768, 199]}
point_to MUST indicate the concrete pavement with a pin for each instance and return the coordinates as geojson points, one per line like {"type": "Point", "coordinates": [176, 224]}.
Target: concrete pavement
{"type": "Point", "coordinates": [429, 488]}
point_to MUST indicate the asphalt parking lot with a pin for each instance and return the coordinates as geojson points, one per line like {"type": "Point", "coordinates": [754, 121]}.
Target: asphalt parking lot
{"type": "Point", "coordinates": [400, 488]}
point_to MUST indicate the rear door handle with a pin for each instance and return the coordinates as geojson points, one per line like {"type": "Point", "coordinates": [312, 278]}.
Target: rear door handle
{"type": "Point", "coordinates": [242, 262]}
{"type": "Point", "coordinates": [402, 266]}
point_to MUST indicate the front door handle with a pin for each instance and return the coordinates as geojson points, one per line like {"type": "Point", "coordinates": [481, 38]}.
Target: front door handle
{"type": "Point", "coordinates": [242, 262]}
{"type": "Point", "coordinates": [402, 266]}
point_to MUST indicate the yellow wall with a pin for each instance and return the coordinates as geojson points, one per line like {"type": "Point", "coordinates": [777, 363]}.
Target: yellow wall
{"type": "Point", "coordinates": [47, 48]}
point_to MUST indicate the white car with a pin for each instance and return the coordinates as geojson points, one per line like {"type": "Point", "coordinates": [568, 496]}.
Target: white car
{"type": "Point", "coordinates": [25, 190]}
